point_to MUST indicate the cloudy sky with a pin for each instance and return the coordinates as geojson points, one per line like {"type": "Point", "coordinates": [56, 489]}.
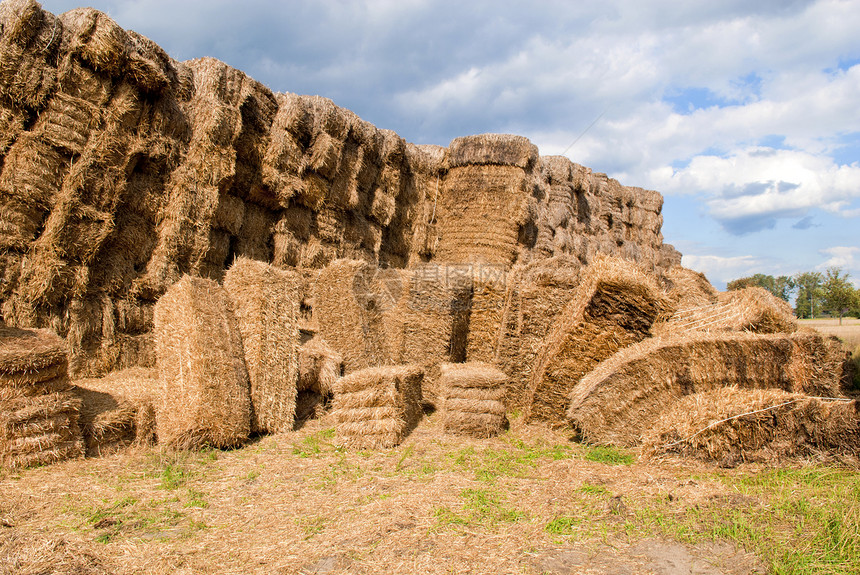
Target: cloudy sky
{"type": "Point", "coordinates": [744, 114]}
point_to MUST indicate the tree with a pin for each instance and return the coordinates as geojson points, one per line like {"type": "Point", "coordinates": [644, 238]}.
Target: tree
{"type": "Point", "coordinates": [782, 286]}
{"type": "Point", "coordinates": [808, 294]}
{"type": "Point", "coordinates": [839, 296]}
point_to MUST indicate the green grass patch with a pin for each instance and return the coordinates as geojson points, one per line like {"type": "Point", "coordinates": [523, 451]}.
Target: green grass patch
{"type": "Point", "coordinates": [315, 444]}
{"type": "Point", "coordinates": [514, 461]}
{"type": "Point", "coordinates": [608, 454]}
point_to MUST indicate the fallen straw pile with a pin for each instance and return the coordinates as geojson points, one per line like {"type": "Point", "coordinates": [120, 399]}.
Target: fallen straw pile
{"type": "Point", "coordinates": [265, 300]}
{"type": "Point", "coordinates": [319, 368]}
{"type": "Point", "coordinates": [732, 425]}
{"type": "Point", "coordinates": [621, 398]}
{"type": "Point", "coordinates": [204, 396]}
{"type": "Point", "coordinates": [38, 413]}
{"type": "Point", "coordinates": [118, 410]}
{"type": "Point", "coordinates": [614, 306]}
{"type": "Point", "coordinates": [473, 399]}
{"type": "Point", "coordinates": [377, 407]}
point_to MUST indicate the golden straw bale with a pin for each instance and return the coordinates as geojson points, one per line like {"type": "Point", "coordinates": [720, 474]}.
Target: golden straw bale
{"type": "Point", "coordinates": [28, 45]}
{"type": "Point", "coordinates": [66, 122]}
{"type": "Point", "coordinates": [614, 306]}
{"type": "Point", "coordinates": [265, 300]}
{"type": "Point", "coordinates": [689, 288]}
{"type": "Point", "coordinates": [480, 211]}
{"type": "Point", "coordinates": [751, 309]}
{"type": "Point", "coordinates": [492, 149]}
{"type": "Point", "coordinates": [732, 425]}
{"type": "Point", "coordinates": [40, 430]}
{"type": "Point", "coordinates": [319, 367]}
{"type": "Point", "coordinates": [118, 411]}
{"type": "Point", "coordinates": [472, 403]}
{"type": "Point", "coordinates": [204, 397]}
{"type": "Point", "coordinates": [427, 325]}
{"type": "Point", "coordinates": [353, 305]}
{"type": "Point", "coordinates": [27, 353]}
{"type": "Point", "coordinates": [33, 173]}
{"type": "Point", "coordinates": [618, 400]}
{"type": "Point", "coordinates": [377, 407]}
{"type": "Point", "coordinates": [100, 41]}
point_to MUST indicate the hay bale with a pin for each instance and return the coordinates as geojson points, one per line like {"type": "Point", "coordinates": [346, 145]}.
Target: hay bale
{"type": "Point", "coordinates": [620, 399]}
{"type": "Point", "coordinates": [751, 309]}
{"type": "Point", "coordinates": [66, 123]}
{"type": "Point", "coordinates": [431, 320]}
{"type": "Point", "coordinates": [473, 395]}
{"type": "Point", "coordinates": [30, 355]}
{"type": "Point", "coordinates": [492, 149]}
{"type": "Point", "coordinates": [118, 411]}
{"type": "Point", "coordinates": [99, 41]}
{"type": "Point", "coordinates": [689, 288]}
{"type": "Point", "coordinates": [377, 407]}
{"type": "Point", "coordinates": [319, 367]}
{"type": "Point", "coordinates": [265, 301]}
{"type": "Point", "coordinates": [613, 307]}
{"type": "Point", "coordinates": [481, 209]}
{"type": "Point", "coordinates": [353, 303]}
{"type": "Point", "coordinates": [204, 397]}
{"type": "Point", "coordinates": [732, 425]}
{"type": "Point", "coordinates": [40, 430]}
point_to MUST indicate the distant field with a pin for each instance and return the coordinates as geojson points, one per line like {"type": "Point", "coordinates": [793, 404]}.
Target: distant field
{"type": "Point", "coordinates": [848, 332]}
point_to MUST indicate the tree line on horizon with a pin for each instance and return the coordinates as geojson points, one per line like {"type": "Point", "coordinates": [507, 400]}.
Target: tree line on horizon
{"type": "Point", "coordinates": [830, 294]}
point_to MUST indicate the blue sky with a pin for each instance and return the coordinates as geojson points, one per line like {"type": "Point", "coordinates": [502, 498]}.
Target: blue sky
{"type": "Point", "coordinates": [745, 115]}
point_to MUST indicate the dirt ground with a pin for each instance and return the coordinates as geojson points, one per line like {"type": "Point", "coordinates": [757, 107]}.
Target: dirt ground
{"type": "Point", "coordinates": [531, 501]}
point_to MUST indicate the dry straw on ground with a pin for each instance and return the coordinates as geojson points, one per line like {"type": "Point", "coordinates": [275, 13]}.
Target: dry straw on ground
{"type": "Point", "coordinates": [732, 425]}
{"type": "Point", "coordinates": [118, 411]}
{"type": "Point", "coordinates": [204, 397]}
{"type": "Point", "coordinates": [473, 395]}
{"type": "Point", "coordinates": [377, 407]}
{"type": "Point", "coordinates": [614, 306]}
{"type": "Point", "coordinates": [265, 301]}
{"type": "Point", "coordinates": [621, 398]}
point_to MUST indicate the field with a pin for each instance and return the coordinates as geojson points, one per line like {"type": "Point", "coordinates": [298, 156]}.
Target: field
{"type": "Point", "coordinates": [848, 332]}
{"type": "Point", "coordinates": [530, 501]}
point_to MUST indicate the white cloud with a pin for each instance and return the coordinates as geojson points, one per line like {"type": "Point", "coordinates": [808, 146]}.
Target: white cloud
{"type": "Point", "coordinates": [845, 257]}
{"type": "Point", "coordinates": [720, 269]}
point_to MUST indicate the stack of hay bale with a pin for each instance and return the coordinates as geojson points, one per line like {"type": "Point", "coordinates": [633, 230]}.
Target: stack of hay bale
{"type": "Point", "coordinates": [265, 300]}
{"type": "Point", "coordinates": [619, 400]}
{"type": "Point", "coordinates": [473, 399]}
{"type": "Point", "coordinates": [377, 407]}
{"type": "Point", "coordinates": [204, 397]}
{"type": "Point", "coordinates": [38, 412]}
{"type": "Point", "coordinates": [614, 306]}
{"type": "Point", "coordinates": [118, 411]}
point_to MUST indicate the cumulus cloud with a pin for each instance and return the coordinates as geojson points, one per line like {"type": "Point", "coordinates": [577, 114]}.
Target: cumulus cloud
{"type": "Point", "coordinates": [721, 269]}
{"type": "Point", "coordinates": [846, 257]}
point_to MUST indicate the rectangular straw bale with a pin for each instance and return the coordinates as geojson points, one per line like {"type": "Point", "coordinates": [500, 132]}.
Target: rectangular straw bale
{"type": "Point", "coordinates": [733, 425]}
{"type": "Point", "coordinates": [351, 301]}
{"type": "Point", "coordinates": [40, 430]}
{"type": "Point", "coordinates": [618, 400]}
{"type": "Point", "coordinates": [377, 407]}
{"type": "Point", "coordinates": [118, 411]}
{"type": "Point", "coordinates": [492, 149]}
{"type": "Point", "coordinates": [31, 355]}
{"type": "Point", "coordinates": [480, 212]}
{"type": "Point", "coordinates": [66, 122]}
{"type": "Point", "coordinates": [614, 306]}
{"type": "Point", "coordinates": [33, 173]}
{"type": "Point", "coordinates": [472, 404]}
{"type": "Point", "coordinates": [25, 78]}
{"type": "Point", "coordinates": [205, 396]}
{"type": "Point", "coordinates": [429, 320]}
{"type": "Point", "coordinates": [266, 301]}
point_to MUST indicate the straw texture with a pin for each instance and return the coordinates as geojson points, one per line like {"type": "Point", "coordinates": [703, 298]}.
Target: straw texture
{"type": "Point", "coordinates": [377, 407]}
{"type": "Point", "coordinates": [204, 397]}
{"type": "Point", "coordinates": [473, 405]}
{"type": "Point", "coordinates": [265, 301]}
